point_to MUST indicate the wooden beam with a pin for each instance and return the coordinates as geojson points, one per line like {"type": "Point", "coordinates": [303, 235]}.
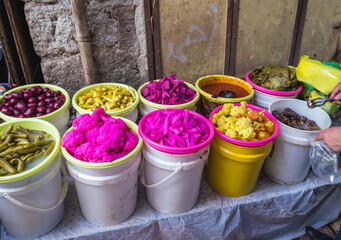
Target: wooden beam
{"type": "Point", "coordinates": [296, 39]}
{"type": "Point", "coordinates": [21, 38]}
{"type": "Point", "coordinates": [231, 37]}
{"type": "Point", "coordinates": [84, 40]}
{"type": "Point", "coordinates": [156, 38]}
{"type": "Point", "coordinates": [8, 47]}
{"type": "Point", "coordinates": [229, 22]}
{"type": "Point", "coordinates": [233, 52]}
{"type": "Point", "coordinates": [149, 37]}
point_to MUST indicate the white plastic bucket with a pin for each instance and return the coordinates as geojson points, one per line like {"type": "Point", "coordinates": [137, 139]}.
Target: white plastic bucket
{"type": "Point", "coordinates": [32, 202]}
{"type": "Point", "coordinates": [264, 100]}
{"type": "Point", "coordinates": [107, 196]}
{"type": "Point", "coordinates": [172, 181]}
{"type": "Point", "coordinates": [107, 191]}
{"type": "Point", "coordinates": [289, 161]}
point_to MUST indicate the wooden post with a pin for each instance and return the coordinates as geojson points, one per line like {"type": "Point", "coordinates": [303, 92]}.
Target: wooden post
{"type": "Point", "coordinates": [84, 40]}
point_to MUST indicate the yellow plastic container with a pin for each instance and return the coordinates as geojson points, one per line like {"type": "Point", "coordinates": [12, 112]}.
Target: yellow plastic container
{"type": "Point", "coordinates": [233, 170]}
{"type": "Point", "coordinates": [208, 104]}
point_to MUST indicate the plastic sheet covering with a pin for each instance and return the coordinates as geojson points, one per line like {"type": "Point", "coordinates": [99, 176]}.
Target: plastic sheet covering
{"type": "Point", "coordinates": [271, 211]}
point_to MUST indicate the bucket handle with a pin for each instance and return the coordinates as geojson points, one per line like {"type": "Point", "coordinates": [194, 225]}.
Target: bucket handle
{"type": "Point", "coordinates": [34, 209]}
{"type": "Point", "coordinates": [142, 179]}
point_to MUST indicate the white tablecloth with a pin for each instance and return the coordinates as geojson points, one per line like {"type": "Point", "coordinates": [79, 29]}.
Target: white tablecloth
{"type": "Point", "coordinates": [271, 211]}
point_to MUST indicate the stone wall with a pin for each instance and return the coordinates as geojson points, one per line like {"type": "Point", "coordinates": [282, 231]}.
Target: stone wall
{"type": "Point", "coordinates": [117, 34]}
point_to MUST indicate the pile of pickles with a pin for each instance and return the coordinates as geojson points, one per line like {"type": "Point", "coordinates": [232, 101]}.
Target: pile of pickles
{"type": "Point", "coordinates": [111, 99]}
{"type": "Point", "coordinates": [21, 146]}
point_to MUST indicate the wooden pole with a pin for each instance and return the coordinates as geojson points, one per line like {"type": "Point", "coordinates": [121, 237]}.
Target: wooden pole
{"type": "Point", "coordinates": [84, 40]}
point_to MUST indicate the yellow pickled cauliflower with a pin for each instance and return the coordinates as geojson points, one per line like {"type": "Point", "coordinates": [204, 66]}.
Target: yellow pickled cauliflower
{"type": "Point", "coordinates": [243, 123]}
{"type": "Point", "coordinates": [231, 133]}
{"type": "Point", "coordinates": [247, 134]}
{"type": "Point", "coordinates": [235, 110]}
{"type": "Point", "coordinates": [223, 112]}
{"type": "Point", "coordinates": [270, 126]}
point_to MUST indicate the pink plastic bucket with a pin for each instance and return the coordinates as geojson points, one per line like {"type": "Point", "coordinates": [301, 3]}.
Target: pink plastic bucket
{"type": "Point", "coordinates": [248, 143]}
{"type": "Point", "coordinates": [272, 92]}
{"type": "Point", "coordinates": [177, 150]}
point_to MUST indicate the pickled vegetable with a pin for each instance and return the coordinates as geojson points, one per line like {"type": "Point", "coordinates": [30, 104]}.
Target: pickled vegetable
{"type": "Point", "coordinates": [243, 123]}
{"type": "Point", "coordinates": [20, 146]}
{"type": "Point", "coordinates": [111, 99]}
{"type": "Point", "coordinates": [291, 118]}
{"type": "Point", "coordinates": [275, 77]}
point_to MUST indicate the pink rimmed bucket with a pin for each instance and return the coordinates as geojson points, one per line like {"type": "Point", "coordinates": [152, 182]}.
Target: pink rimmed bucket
{"type": "Point", "coordinates": [172, 175]}
{"type": "Point", "coordinates": [234, 165]}
{"type": "Point", "coordinates": [264, 97]}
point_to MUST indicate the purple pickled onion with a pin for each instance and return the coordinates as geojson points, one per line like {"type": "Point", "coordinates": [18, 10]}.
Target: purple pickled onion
{"type": "Point", "coordinates": [175, 128]}
{"type": "Point", "coordinates": [168, 91]}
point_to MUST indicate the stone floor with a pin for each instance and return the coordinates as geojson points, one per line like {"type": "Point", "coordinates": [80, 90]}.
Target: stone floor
{"type": "Point", "coordinates": [331, 229]}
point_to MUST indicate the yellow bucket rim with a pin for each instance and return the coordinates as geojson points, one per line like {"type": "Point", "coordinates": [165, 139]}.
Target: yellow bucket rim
{"type": "Point", "coordinates": [131, 125]}
{"type": "Point", "coordinates": [43, 126]}
{"type": "Point", "coordinates": [46, 116]}
{"type": "Point", "coordinates": [105, 84]}
{"type": "Point", "coordinates": [162, 106]}
{"type": "Point", "coordinates": [221, 99]}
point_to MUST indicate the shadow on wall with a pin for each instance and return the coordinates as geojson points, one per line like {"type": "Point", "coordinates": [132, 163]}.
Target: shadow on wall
{"type": "Point", "coordinates": [335, 43]}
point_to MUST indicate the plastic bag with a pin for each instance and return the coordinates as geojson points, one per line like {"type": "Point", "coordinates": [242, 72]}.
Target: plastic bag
{"type": "Point", "coordinates": [322, 77]}
{"type": "Point", "coordinates": [324, 161]}
{"type": "Point", "coordinates": [333, 64]}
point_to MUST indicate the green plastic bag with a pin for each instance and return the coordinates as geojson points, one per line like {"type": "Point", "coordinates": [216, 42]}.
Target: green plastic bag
{"type": "Point", "coordinates": [322, 77]}
{"type": "Point", "coordinates": [333, 64]}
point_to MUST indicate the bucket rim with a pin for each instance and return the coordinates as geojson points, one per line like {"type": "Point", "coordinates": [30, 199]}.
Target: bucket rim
{"type": "Point", "coordinates": [131, 125]}
{"type": "Point", "coordinates": [118, 113]}
{"type": "Point", "coordinates": [272, 92]}
{"type": "Point", "coordinates": [243, 142]}
{"type": "Point", "coordinates": [300, 102]}
{"type": "Point", "coordinates": [55, 134]}
{"type": "Point", "coordinates": [177, 150]}
{"type": "Point", "coordinates": [162, 106]}
{"type": "Point", "coordinates": [45, 117]}
{"type": "Point", "coordinates": [221, 99]}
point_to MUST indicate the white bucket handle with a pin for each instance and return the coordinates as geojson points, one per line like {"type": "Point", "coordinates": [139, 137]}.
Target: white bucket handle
{"type": "Point", "coordinates": [176, 171]}
{"type": "Point", "coordinates": [33, 209]}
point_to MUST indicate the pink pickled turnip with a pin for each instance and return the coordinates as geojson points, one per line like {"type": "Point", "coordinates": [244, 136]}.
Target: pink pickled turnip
{"type": "Point", "coordinates": [168, 91]}
{"type": "Point", "coordinates": [175, 128]}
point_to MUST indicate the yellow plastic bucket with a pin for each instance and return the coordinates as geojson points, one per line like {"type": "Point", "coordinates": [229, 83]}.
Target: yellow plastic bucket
{"type": "Point", "coordinates": [233, 170]}
{"type": "Point", "coordinates": [208, 104]}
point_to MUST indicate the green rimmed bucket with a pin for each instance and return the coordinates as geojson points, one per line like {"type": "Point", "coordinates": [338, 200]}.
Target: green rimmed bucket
{"type": "Point", "coordinates": [148, 106]}
{"type": "Point", "coordinates": [32, 202]}
{"type": "Point", "coordinates": [129, 112]}
{"type": "Point", "coordinates": [208, 104]}
{"type": "Point", "coordinates": [107, 192]}
{"type": "Point", "coordinates": [58, 118]}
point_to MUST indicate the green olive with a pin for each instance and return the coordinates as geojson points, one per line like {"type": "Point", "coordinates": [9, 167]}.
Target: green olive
{"type": "Point", "coordinates": [109, 98]}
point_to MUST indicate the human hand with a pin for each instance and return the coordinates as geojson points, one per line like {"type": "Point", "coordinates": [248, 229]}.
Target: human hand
{"type": "Point", "coordinates": [337, 93]}
{"type": "Point", "coordinates": [331, 137]}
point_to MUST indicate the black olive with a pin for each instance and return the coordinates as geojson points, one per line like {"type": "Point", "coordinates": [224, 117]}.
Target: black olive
{"type": "Point", "coordinates": [213, 96]}
{"type": "Point", "coordinates": [229, 94]}
{"type": "Point", "coordinates": [226, 94]}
